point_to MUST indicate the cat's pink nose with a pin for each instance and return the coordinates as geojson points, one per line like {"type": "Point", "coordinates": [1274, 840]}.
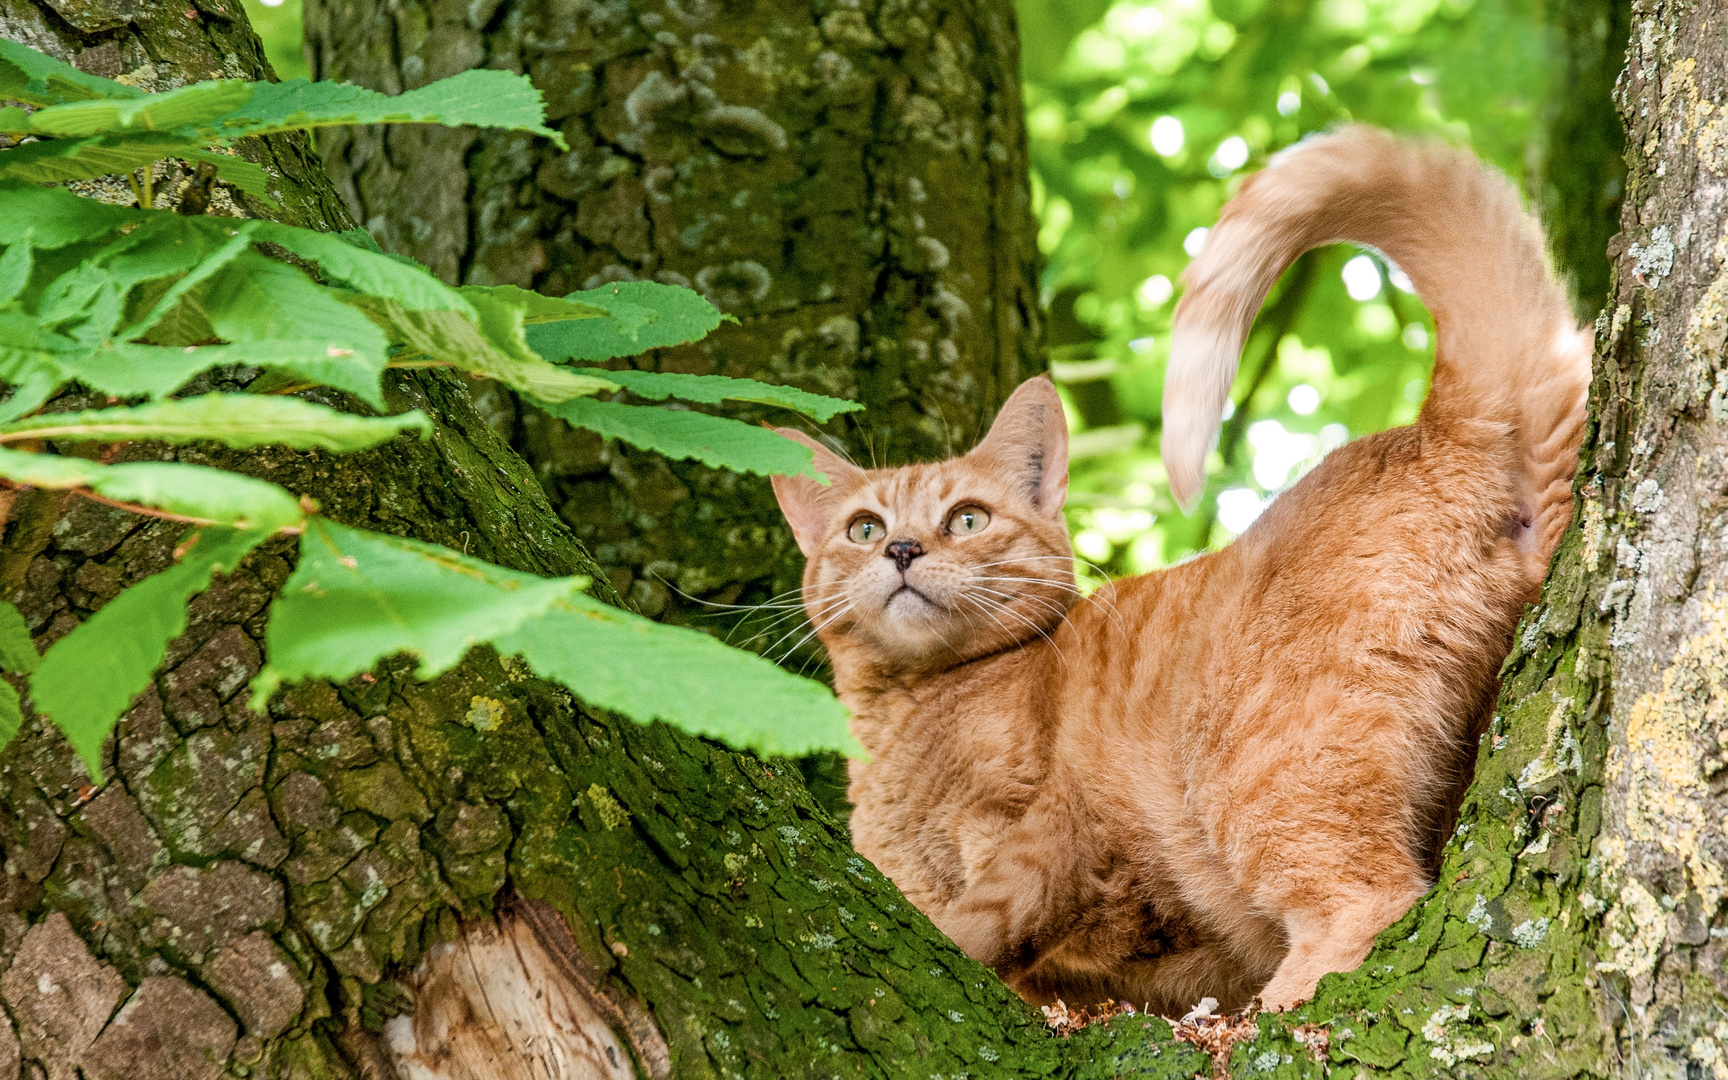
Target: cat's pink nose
{"type": "Point", "coordinates": [903, 552]}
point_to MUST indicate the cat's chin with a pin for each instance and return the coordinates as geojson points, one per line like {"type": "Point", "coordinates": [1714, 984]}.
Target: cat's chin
{"type": "Point", "coordinates": [910, 627]}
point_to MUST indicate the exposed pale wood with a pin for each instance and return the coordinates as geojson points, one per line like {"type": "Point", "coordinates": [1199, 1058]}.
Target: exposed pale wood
{"type": "Point", "coordinates": [515, 1000]}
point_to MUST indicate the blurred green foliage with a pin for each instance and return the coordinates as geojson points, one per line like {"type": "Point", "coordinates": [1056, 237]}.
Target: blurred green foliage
{"type": "Point", "coordinates": [278, 27]}
{"type": "Point", "coordinates": [1143, 118]}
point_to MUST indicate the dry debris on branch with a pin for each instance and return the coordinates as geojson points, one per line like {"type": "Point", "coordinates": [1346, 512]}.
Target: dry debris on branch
{"type": "Point", "coordinates": [1215, 1034]}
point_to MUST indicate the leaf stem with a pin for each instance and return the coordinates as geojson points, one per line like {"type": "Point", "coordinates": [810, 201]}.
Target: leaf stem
{"type": "Point", "coordinates": [9, 491]}
{"type": "Point", "coordinates": [150, 511]}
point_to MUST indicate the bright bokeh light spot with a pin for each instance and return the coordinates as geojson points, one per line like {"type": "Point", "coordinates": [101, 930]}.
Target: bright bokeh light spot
{"type": "Point", "coordinates": [1123, 186]}
{"type": "Point", "coordinates": [1146, 553]}
{"type": "Point", "coordinates": [1377, 321]}
{"type": "Point", "coordinates": [1278, 451]}
{"type": "Point", "coordinates": [1155, 292]}
{"type": "Point", "coordinates": [1237, 509]}
{"type": "Point", "coordinates": [1092, 544]}
{"type": "Point", "coordinates": [1167, 136]}
{"type": "Point", "coordinates": [1142, 346]}
{"type": "Point", "coordinates": [1144, 22]}
{"type": "Point", "coordinates": [1195, 240]}
{"type": "Point", "coordinates": [1229, 410]}
{"type": "Point", "coordinates": [1362, 278]}
{"type": "Point", "coordinates": [1399, 279]}
{"type": "Point", "coordinates": [1119, 525]}
{"type": "Point", "coordinates": [1288, 102]}
{"type": "Point", "coordinates": [1416, 337]}
{"type": "Point", "coordinates": [1304, 399]}
{"type": "Point", "coordinates": [1332, 436]}
{"type": "Point", "coordinates": [1231, 154]}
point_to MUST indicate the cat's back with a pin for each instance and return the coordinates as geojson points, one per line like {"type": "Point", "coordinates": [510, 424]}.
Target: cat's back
{"type": "Point", "coordinates": [1383, 575]}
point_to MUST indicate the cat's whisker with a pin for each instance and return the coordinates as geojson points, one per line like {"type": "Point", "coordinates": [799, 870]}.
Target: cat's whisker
{"type": "Point", "coordinates": [827, 612]}
{"type": "Point", "coordinates": [1105, 605]}
{"type": "Point", "coordinates": [986, 604]}
{"type": "Point", "coordinates": [816, 630]}
{"type": "Point", "coordinates": [787, 612]}
{"type": "Point", "coordinates": [817, 609]}
{"type": "Point", "coordinates": [1046, 603]}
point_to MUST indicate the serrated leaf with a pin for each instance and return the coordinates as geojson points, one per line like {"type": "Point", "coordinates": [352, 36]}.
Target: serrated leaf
{"type": "Point", "coordinates": [448, 337]}
{"type": "Point", "coordinates": [367, 272]}
{"type": "Point", "coordinates": [679, 316]}
{"type": "Point", "coordinates": [88, 301]}
{"type": "Point", "coordinates": [712, 440]}
{"type": "Point", "coordinates": [17, 652]}
{"type": "Point", "coordinates": [356, 597]}
{"type": "Point", "coordinates": [39, 79]}
{"type": "Point", "coordinates": [56, 160]}
{"type": "Point", "coordinates": [481, 98]}
{"type": "Point", "coordinates": [535, 307]}
{"type": "Point", "coordinates": [273, 315]}
{"type": "Point", "coordinates": [650, 671]}
{"type": "Point", "coordinates": [15, 268]}
{"type": "Point", "coordinates": [55, 217]}
{"type": "Point", "coordinates": [90, 676]}
{"type": "Point", "coordinates": [167, 110]}
{"type": "Point", "coordinates": [30, 391]}
{"type": "Point", "coordinates": [240, 420]}
{"type": "Point", "coordinates": [201, 272]}
{"type": "Point", "coordinates": [713, 389]}
{"type": "Point", "coordinates": [11, 713]}
{"type": "Point", "coordinates": [194, 491]}
{"type": "Point", "coordinates": [237, 172]}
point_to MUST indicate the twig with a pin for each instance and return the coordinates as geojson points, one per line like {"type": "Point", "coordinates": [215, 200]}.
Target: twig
{"type": "Point", "coordinates": [195, 196]}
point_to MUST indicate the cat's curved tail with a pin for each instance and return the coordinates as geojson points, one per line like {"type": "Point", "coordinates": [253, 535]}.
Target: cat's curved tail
{"type": "Point", "coordinates": [1510, 360]}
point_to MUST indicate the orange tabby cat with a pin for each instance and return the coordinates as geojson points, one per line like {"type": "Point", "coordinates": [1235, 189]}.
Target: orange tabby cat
{"type": "Point", "coordinates": [1226, 777]}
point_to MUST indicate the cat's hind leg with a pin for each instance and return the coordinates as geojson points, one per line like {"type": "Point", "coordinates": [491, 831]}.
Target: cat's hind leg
{"type": "Point", "coordinates": [1335, 935]}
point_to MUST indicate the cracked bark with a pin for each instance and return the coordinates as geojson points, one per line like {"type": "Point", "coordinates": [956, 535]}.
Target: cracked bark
{"type": "Point", "coordinates": [849, 181]}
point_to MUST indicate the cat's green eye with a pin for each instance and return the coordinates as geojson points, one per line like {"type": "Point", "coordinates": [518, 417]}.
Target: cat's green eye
{"type": "Point", "coordinates": [866, 530]}
{"type": "Point", "coordinates": [968, 520]}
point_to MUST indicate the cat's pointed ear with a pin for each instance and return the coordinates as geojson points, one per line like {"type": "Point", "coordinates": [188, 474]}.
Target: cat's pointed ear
{"type": "Point", "coordinates": [809, 506]}
{"type": "Point", "coordinates": [1030, 440]}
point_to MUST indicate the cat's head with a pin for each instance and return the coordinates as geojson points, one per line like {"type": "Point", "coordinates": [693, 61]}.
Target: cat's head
{"type": "Point", "coordinates": [928, 565]}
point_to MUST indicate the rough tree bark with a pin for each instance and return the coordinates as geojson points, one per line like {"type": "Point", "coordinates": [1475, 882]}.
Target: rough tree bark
{"type": "Point", "coordinates": [847, 179]}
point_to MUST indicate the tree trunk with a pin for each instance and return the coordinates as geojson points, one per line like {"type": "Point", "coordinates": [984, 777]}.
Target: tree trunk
{"type": "Point", "coordinates": [849, 182]}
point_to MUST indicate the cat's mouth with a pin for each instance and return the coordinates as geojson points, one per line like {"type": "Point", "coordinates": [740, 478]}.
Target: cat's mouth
{"type": "Point", "coordinates": [905, 590]}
